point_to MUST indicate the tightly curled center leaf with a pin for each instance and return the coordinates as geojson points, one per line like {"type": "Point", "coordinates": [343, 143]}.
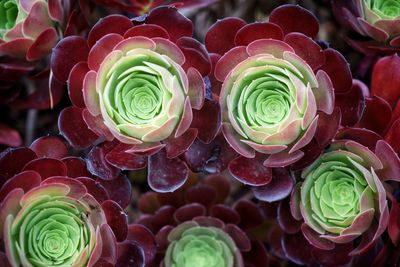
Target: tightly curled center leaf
{"type": "Point", "coordinates": [267, 97]}
{"type": "Point", "coordinates": [141, 94]}
{"type": "Point", "coordinates": [337, 192]}
{"type": "Point", "coordinates": [51, 231]}
{"type": "Point", "coordinates": [385, 9]}
{"type": "Point", "coordinates": [8, 15]}
{"type": "Point", "coordinates": [201, 247]}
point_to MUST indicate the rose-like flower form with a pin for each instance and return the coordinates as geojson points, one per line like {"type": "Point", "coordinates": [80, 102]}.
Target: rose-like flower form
{"type": "Point", "coordinates": [139, 86]}
{"type": "Point", "coordinates": [27, 28]}
{"type": "Point", "coordinates": [193, 226]}
{"type": "Point", "coordinates": [53, 214]}
{"type": "Point", "coordinates": [339, 191]}
{"type": "Point", "coordinates": [269, 100]}
{"type": "Point", "coordinates": [141, 92]}
{"type": "Point", "coordinates": [376, 19]}
{"type": "Point", "coordinates": [194, 245]}
{"type": "Point", "coordinates": [342, 198]}
{"type": "Point", "coordinates": [277, 91]}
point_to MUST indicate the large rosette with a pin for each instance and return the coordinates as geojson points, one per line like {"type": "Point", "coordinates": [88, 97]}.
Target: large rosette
{"type": "Point", "coordinates": [194, 226]}
{"type": "Point", "coordinates": [54, 213]}
{"type": "Point", "coordinates": [277, 89]}
{"type": "Point", "coordinates": [138, 85]}
{"type": "Point", "coordinates": [340, 205]}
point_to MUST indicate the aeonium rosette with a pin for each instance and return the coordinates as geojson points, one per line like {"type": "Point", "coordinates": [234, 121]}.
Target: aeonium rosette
{"type": "Point", "coordinates": [139, 86]}
{"type": "Point", "coordinates": [378, 20]}
{"type": "Point", "coordinates": [277, 93]}
{"type": "Point", "coordinates": [54, 213]}
{"type": "Point", "coordinates": [194, 226]}
{"type": "Point", "coordinates": [28, 28]}
{"type": "Point", "coordinates": [340, 204]}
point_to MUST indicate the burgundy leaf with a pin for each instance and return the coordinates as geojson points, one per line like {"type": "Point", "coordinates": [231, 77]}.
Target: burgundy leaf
{"type": "Point", "coordinates": [74, 129]}
{"type": "Point", "coordinates": [111, 24]}
{"type": "Point", "coordinates": [288, 17]}
{"type": "Point", "coordinates": [116, 219]}
{"type": "Point", "coordinates": [119, 158]}
{"type": "Point", "coordinates": [76, 167]}
{"type": "Point", "coordinates": [98, 165]}
{"type": "Point", "coordinates": [221, 36]}
{"type": "Point", "coordinates": [144, 238]}
{"type": "Point", "coordinates": [47, 167]}
{"type": "Point", "coordinates": [119, 190]}
{"type": "Point", "coordinates": [250, 171]}
{"type": "Point", "coordinates": [166, 175]}
{"type": "Point", "coordinates": [50, 147]}
{"type": "Point", "coordinates": [68, 52]}
{"type": "Point", "coordinates": [277, 189]}
{"type": "Point", "coordinates": [168, 18]}
{"type": "Point", "coordinates": [9, 136]}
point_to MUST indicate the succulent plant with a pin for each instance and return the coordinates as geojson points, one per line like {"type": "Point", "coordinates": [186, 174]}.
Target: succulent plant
{"type": "Point", "coordinates": [195, 245]}
{"type": "Point", "coordinates": [54, 213]}
{"type": "Point", "coordinates": [27, 28]}
{"type": "Point", "coordinates": [141, 86]}
{"type": "Point", "coordinates": [343, 202]}
{"type": "Point", "coordinates": [277, 91]}
{"type": "Point", "coordinates": [376, 19]}
{"type": "Point", "coordinates": [194, 227]}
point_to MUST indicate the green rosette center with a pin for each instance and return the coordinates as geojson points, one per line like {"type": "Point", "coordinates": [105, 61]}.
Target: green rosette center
{"type": "Point", "coordinates": [201, 247]}
{"type": "Point", "coordinates": [52, 231]}
{"type": "Point", "coordinates": [142, 93]}
{"type": "Point", "coordinates": [385, 9]}
{"type": "Point", "coordinates": [336, 190]}
{"type": "Point", "coordinates": [8, 15]}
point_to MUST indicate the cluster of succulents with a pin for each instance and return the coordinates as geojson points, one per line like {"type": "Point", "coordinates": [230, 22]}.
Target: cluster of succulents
{"type": "Point", "coordinates": [255, 147]}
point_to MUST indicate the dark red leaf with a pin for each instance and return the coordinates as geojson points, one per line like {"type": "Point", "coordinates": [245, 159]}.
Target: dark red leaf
{"type": "Point", "coordinates": [250, 171]}
{"type": "Point", "coordinates": [306, 48]}
{"type": "Point", "coordinates": [168, 18]}
{"type": "Point", "coordinates": [98, 165]}
{"type": "Point", "coordinates": [277, 189]}
{"type": "Point", "coordinates": [50, 147]}
{"type": "Point", "coordinates": [25, 180]}
{"type": "Point", "coordinates": [166, 175]}
{"type": "Point", "coordinates": [130, 254]}
{"type": "Point", "coordinates": [75, 84]}
{"type": "Point", "coordinates": [221, 35]}
{"type": "Point", "coordinates": [47, 167]}
{"type": "Point", "coordinates": [285, 219]}
{"type": "Point", "coordinates": [116, 218]}
{"type": "Point", "coordinates": [207, 121]}
{"type": "Point", "coordinates": [13, 160]}
{"type": "Point", "coordinates": [76, 167]}
{"type": "Point", "coordinates": [188, 212]}
{"type": "Point", "coordinates": [111, 24]}
{"type": "Point", "coordinates": [197, 194]}
{"type": "Point", "coordinates": [258, 30]}
{"type": "Point", "coordinates": [196, 55]}
{"type": "Point", "coordinates": [68, 52]}
{"type": "Point", "coordinates": [125, 161]}
{"type": "Point", "coordinates": [386, 79]}
{"type": "Point", "coordinates": [376, 115]}
{"type": "Point", "coordinates": [225, 214]}
{"type": "Point", "coordinates": [250, 214]}
{"type": "Point", "coordinates": [95, 189]}
{"type": "Point", "coordinates": [9, 136]}
{"type": "Point", "coordinates": [145, 239]}
{"type": "Point", "coordinates": [288, 17]}
{"type": "Point", "coordinates": [74, 129]}
{"type": "Point", "coordinates": [338, 70]}
{"type": "Point", "coordinates": [119, 190]}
